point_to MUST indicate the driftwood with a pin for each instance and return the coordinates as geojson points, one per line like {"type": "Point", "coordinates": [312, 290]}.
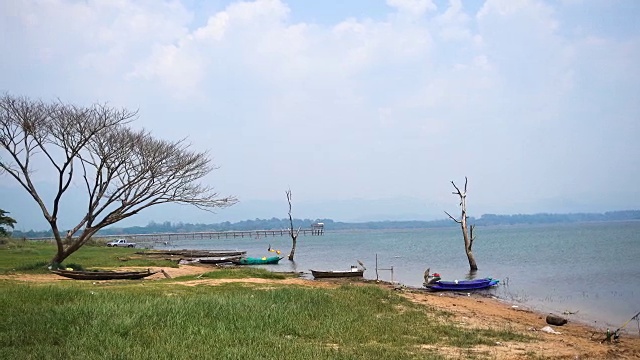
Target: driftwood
{"type": "Point", "coordinates": [556, 320]}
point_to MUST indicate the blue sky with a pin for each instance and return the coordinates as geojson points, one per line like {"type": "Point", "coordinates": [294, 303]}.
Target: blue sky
{"type": "Point", "coordinates": [365, 109]}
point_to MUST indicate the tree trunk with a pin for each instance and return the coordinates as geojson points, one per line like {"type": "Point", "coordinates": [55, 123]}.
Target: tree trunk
{"type": "Point", "coordinates": [467, 232]}
{"type": "Point", "coordinates": [293, 249]}
{"type": "Point", "coordinates": [63, 252]}
{"type": "Point", "coordinates": [294, 235]}
{"type": "Point", "coordinates": [468, 241]}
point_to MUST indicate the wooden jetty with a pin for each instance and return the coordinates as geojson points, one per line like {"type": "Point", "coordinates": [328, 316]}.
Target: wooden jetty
{"type": "Point", "coordinates": [316, 230]}
{"type": "Point", "coordinates": [219, 234]}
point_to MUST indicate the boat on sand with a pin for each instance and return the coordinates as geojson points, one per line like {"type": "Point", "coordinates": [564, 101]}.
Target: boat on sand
{"type": "Point", "coordinates": [103, 275]}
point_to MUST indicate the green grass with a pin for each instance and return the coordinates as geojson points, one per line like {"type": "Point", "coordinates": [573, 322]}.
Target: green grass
{"type": "Point", "coordinates": [167, 320]}
{"type": "Point", "coordinates": [34, 257]}
{"type": "Point", "coordinates": [244, 273]}
{"type": "Point", "coordinates": [159, 320]}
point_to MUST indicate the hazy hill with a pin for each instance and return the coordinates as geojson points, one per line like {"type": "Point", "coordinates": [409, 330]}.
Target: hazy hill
{"type": "Point", "coordinates": [275, 223]}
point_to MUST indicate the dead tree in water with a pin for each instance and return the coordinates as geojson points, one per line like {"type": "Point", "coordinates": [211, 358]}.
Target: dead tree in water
{"type": "Point", "coordinates": [467, 232]}
{"type": "Point", "coordinates": [294, 235]}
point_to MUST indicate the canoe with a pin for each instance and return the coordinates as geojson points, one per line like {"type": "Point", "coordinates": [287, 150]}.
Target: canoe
{"type": "Point", "coordinates": [462, 285]}
{"type": "Point", "coordinates": [103, 275]}
{"type": "Point", "coordinates": [193, 253]}
{"type": "Point", "coordinates": [257, 261]}
{"type": "Point", "coordinates": [337, 273]}
{"type": "Point", "coordinates": [218, 259]}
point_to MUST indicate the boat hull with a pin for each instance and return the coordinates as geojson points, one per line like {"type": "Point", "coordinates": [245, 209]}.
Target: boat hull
{"type": "Point", "coordinates": [218, 260]}
{"type": "Point", "coordinates": [257, 261]}
{"type": "Point", "coordinates": [464, 285]}
{"type": "Point", "coordinates": [336, 274]}
{"type": "Point", "coordinates": [103, 275]}
{"type": "Point", "coordinates": [193, 253]}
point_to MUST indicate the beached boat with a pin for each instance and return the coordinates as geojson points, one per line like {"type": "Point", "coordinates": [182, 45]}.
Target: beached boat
{"type": "Point", "coordinates": [354, 272]}
{"type": "Point", "coordinates": [103, 275]}
{"type": "Point", "coordinates": [257, 261]}
{"type": "Point", "coordinates": [336, 273]}
{"type": "Point", "coordinates": [462, 285]}
{"type": "Point", "coordinates": [193, 253]}
{"type": "Point", "coordinates": [218, 259]}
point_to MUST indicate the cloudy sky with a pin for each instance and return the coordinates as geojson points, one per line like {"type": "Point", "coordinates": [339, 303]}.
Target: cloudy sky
{"type": "Point", "coordinates": [366, 109]}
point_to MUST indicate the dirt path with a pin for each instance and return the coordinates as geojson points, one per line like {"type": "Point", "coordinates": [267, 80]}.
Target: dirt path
{"type": "Point", "coordinates": [575, 341]}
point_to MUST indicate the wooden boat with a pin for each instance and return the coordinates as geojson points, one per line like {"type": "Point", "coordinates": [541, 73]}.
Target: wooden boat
{"type": "Point", "coordinates": [354, 272]}
{"type": "Point", "coordinates": [194, 253]}
{"type": "Point", "coordinates": [103, 275]}
{"type": "Point", "coordinates": [462, 285]}
{"type": "Point", "coordinates": [257, 261]}
{"type": "Point", "coordinates": [218, 259]}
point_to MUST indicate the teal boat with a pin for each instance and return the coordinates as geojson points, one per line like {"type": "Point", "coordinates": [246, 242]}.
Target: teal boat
{"type": "Point", "coordinates": [257, 261]}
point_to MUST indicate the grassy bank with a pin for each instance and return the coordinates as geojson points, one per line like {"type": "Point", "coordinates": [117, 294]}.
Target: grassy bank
{"type": "Point", "coordinates": [34, 256]}
{"type": "Point", "coordinates": [163, 320]}
{"type": "Point", "coordinates": [173, 319]}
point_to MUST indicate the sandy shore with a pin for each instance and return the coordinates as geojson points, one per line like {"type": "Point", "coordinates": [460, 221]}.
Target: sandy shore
{"type": "Point", "coordinates": [574, 341]}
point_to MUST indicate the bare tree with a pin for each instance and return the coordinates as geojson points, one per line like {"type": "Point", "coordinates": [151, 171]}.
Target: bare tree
{"type": "Point", "coordinates": [122, 170]}
{"type": "Point", "coordinates": [292, 233]}
{"type": "Point", "coordinates": [467, 232]}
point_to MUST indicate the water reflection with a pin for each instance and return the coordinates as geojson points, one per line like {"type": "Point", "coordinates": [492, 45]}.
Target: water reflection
{"type": "Point", "coordinates": [471, 275]}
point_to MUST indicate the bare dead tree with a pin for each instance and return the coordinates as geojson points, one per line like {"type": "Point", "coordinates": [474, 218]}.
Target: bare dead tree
{"type": "Point", "coordinates": [467, 232]}
{"type": "Point", "coordinates": [292, 233]}
{"type": "Point", "coordinates": [122, 170]}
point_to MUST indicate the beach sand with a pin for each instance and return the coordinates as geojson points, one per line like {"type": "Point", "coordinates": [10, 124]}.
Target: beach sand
{"type": "Point", "coordinates": [574, 341]}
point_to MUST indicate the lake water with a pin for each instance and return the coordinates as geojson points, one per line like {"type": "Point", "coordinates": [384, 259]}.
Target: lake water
{"type": "Point", "coordinates": [591, 268]}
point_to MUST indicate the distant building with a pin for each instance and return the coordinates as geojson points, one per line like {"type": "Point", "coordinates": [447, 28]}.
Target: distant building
{"type": "Point", "coordinates": [317, 228]}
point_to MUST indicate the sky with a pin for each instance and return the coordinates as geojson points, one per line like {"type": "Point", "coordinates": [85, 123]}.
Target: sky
{"type": "Point", "coordinates": [365, 109]}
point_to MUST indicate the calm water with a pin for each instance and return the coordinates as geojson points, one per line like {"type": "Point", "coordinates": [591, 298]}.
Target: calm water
{"type": "Point", "coordinates": [592, 268]}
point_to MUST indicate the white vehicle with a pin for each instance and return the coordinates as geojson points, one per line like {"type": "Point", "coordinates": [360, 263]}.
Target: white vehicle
{"type": "Point", "coordinates": [121, 243]}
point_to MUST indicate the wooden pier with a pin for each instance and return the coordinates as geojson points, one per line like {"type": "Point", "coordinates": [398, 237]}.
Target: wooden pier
{"type": "Point", "coordinates": [165, 237]}
{"type": "Point", "coordinates": [218, 234]}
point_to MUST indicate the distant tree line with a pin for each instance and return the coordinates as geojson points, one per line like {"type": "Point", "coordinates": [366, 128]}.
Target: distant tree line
{"type": "Point", "coordinates": [544, 218]}
{"type": "Point", "coordinates": [329, 224]}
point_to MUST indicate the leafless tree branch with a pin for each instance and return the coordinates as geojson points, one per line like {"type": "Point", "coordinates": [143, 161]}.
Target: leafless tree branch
{"type": "Point", "coordinates": [123, 171]}
{"type": "Point", "coordinates": [467, 233]}
{"type": "Point", "coordinates": [452, 218]}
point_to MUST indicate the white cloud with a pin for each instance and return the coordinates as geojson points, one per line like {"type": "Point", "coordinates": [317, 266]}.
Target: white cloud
{"type": "Point", "coordinates": [415, 7]}
{"type": "Point", "coordinates": [394, 101]}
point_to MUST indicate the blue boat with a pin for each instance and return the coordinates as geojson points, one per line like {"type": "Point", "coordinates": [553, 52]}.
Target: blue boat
{"type": "Point", "coordinates": [462, 285]}
{"type": "Point", "coordinates": [257, 261]}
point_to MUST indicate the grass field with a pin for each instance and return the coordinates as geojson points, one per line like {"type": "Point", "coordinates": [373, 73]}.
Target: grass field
{"type": "Point", "coordinates": [34, 257]}
{"type": "Point", "coordinates": [166, 319]}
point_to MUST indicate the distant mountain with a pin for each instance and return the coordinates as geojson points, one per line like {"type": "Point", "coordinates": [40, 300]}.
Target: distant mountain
{"type": "Point", "coordinates": [275, 223]}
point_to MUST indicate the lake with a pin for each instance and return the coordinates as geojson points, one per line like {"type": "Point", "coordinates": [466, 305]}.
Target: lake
{"type": "Point", "coordinates": [589, 268]}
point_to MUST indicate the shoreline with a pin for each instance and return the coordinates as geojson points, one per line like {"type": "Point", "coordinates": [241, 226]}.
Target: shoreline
{"type": "Point", "coordinates": [574, 340]}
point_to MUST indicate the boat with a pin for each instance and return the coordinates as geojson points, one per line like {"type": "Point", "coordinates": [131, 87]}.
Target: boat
{"type": "Point", "coordinates": [193, 253]}
{"type": "Point", "coordinates": [103, 275]}
{"type": "Point", "coordinates": [462, 285]}
{"type": "Point", "coordinates": [218, 259]}
{"type": "Point", "coordinates": [257, 261]}
{"type": "Point", "coordinates": [354, 272]}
